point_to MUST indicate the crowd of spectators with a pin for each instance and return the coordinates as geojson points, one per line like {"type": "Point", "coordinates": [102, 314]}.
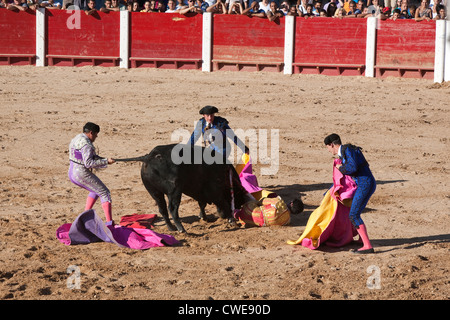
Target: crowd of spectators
{"type": "Point", "coordinates": [271, 9]}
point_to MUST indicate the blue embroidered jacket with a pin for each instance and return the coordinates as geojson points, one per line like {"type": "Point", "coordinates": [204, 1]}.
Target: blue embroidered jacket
{"type": "Point", "coordinates": [219, 128]}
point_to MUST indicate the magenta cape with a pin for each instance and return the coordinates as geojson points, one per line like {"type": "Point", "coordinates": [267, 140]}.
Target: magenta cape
{"type": "Point", "coordinates": [248, 179]}
{"type": "Point", "coordinates": [330, 224]}
{"type": "Point", "coordinates": [88, 227]}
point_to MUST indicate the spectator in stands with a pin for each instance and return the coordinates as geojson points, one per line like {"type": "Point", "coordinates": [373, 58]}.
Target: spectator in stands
{"type": "Point", "coordinates": [17, 5]}
{"type": "Point", "coordinates": [180, 4]}
{"type": "Point", "coordinates": [331, 9]}
{"type": "Point", "coordinates": [50, 4]}
{"type": "Point", "coordinates": [385, 13]}
{"type": "Point", "coordinates": [316, 8]}
{"type": "Point", "coordinates": [412, 11]}
{"type": "Point", "coordinates": [434, 4]}
{"type": "Point", "coordinates": [285, 7]}
{"type": "Point", "coordinates": [423, 12]}
{"type": "Point", "coordinates": [74, 4]}
{"type": "Point", "coordinates": [264, 5]}
{"type": "Point", "coordinates": [202, 5]}
{"type": "Point", "coordinates": [440, 12]}
{"type": "Point", "coordinates": [374, 9]}
{"type": "Point", "coordinates": [302, 4]}
{"type": "Point", "coordinates": [294, 11]}
{"type": "Point", "coordinates": [218, 7]}
{"type": "Point", "coordinates": [90, 8]}
{"type": "Point", "coordinates": [107, 5]}
{"type": "Point", "coordinates": [146, 7]}
{"type": "Point", "coordinates": [254, 10]}
{"type": "Point", "coordinates": [113, 5]}
{"type": "Point", "coordinates": [352, 11]}
{"type": "Point", "coordinates": [171, 7]}
{"type": "Point", "coordinates": [191, 8]}
{"type": "Point", "coordinates": [135, 6]}
{"type": "Point", "coordinates": [274, 12]}
{"type": "Point", "coordinates": [396, 14]}
{"type": "Point", "coordinates": [340, 13]}
{"type": "Point", "coordinates": [360, 5]}
{"type": "Point", "coordinates": [309, 13]}
{"type": "Point", "coordinates": [336, 3]}
{"type": "Point", "coordinates": [117, 6]}
{"type": "Point", "coordinates": [236, 7]}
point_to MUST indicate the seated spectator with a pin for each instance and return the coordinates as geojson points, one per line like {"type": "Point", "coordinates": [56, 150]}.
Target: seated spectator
{"type": "Point", "coordinates": [146, 7]}
{"type": "Point", "coordinates": [171, 7]}
{"type": "Point", "coordinates": [302, 4]}
{"type": "Point", "coordinates": [218, 7]}
{"type": "Point", "coordinates": [360, 5]}
{"type": "Point", "coordinates": [316, 8]}
{"type": "Point", "coordinates": [309, 9]}
{"type": "Point", "coordinates": [73, 4]}
{"type": "Point", "coordinates": [340, 13]}
{"type": "Point", "coordinates": [180, 4]}
{"type": "Point", "coordinates": [235, 7]}
{"type": "Point", "coordinates": [160, 7]}
{"type": "Point", "coordinates": [254, 10]}
{"type": "Point", "coordinates": [385, 13]}
{"type": "Point", "coordinates": [396, 14]}
{"type": "Point", "coordinates": [191, 8]}
{"type": "Point", "coordinates": [113, 5]}
{"type": "Point", "coordinates": [274, 13]}
{"type": "Point", "coordinates": [17, 5]}
{"type": "Point", "coordinates": [285, 7]}
{"type": "Point", "coordinates": [106, 6]}
{"type": "Point", "coordinates": [51, 4]}
{"type": "Point", "coordinates": [434, 4]}
{"type": "Point", "coordinates": [295, 11]}
{"type": "Point", "coordinates": [90, 8]}
{"type": "Point", "coordinates": [264, 5]}
{"type": "Point", "coordinates": [374, 9]}
{"type": "Point", "coordinates": [331, 9]}
{"type": "Point", "coordinates": [203, 5]}
{"type": "Point", "coordinates": [423, 12]}
{"type": "Point", "coordinates": [441, 14]}
{"type": "Point", "coordinates": [135, 6]}
{"type": "Point", "coordinates": [412, 11]}
{"type": "Point", "coordinates": [352, 11]}
{"type": "Point", "coordinates": [337, 4]}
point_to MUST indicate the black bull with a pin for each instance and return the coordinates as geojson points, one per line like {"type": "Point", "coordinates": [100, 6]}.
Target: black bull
{"type": "Point", "coordinates": [206, 183]}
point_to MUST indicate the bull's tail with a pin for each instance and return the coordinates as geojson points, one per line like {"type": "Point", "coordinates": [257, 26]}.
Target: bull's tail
{"type": "Point", "coordinates": [143, 159]}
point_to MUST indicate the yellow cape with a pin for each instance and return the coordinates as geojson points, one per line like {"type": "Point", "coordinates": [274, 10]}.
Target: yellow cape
{"type": "Point", "coordinates": [318, 221]}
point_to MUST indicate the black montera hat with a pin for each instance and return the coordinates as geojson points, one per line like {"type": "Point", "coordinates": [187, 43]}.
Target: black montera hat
{"type": "Point", "coordinates": [208, 110]}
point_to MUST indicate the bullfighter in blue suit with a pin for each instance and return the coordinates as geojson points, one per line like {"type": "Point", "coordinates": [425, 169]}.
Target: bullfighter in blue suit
{"type": "Point", "coordinates": [355, 165]}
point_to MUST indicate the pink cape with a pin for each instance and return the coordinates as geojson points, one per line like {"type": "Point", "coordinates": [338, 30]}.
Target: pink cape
{"type": "Point", "coordinates": [329, 223]}
{"type": "Point", "coordinates": [88, 227]}
{"type": "Point", "coordinates": [248, 179]}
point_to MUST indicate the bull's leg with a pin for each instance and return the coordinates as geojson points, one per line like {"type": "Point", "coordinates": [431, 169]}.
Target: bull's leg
{"type": "Point", "coordinates": [174, 205]}
{"type": "Point", "coordinates": [202, 206]}
{"type": "Point", "coordinates": [162, 206]}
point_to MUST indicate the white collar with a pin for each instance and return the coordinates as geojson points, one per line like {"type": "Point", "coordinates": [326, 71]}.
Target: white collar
{"type": "Point", "coordinates": [339, 151]}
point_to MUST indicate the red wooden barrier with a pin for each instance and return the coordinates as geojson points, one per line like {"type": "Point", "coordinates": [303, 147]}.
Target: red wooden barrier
{"type": "Point", "coordinates": [166, 40]}
{"type": "Point", "coordinates": [82, 40]}
{"type": "Point", "coordinates": [17, 37]}
{"type": "Point", "coordinates": [244, 43]}
{"type": "Point", "coordinates": [405, 48]}
{"type": "Point", "coordinates": [330, 46]}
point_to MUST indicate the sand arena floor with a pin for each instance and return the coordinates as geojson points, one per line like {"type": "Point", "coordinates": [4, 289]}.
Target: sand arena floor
{"type": "Point", "coordinates": [402, 124]}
